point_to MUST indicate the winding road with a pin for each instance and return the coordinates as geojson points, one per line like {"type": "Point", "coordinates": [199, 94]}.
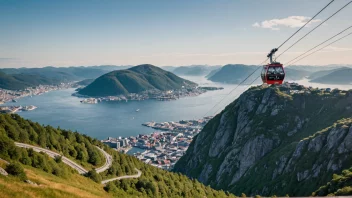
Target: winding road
{"type": "Point", "coordinates": [80, 169]}
{"type": "Point", "coordinates": [108, 161]}
{"type": "Point", "coordinates": [53, 154]}
{"type": "Point", "coordinates": [124, 177]}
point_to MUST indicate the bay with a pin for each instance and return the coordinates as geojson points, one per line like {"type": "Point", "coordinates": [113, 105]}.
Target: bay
{"type": "Point", "coordinates": [113, 119]}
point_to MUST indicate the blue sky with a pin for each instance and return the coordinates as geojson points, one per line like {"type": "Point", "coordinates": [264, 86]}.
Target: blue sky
{"type": "Point", "coordinates": [39, 33]}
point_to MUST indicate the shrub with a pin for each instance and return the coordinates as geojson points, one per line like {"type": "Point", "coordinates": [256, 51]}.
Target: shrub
{"type": "Point", "coordinates": [16, 169]}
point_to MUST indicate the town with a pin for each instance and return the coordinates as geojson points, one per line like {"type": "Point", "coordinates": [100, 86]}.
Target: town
{"type": "Point", "coordinates": [161, 148]}
{"type": "Point", "coordinates": [13, 95]}
{"type": "Point", "coordinates": [150, 94]}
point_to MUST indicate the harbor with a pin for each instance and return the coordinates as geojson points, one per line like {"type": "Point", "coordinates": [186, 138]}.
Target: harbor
{"type": "Point", "coordinates": [164, 148]}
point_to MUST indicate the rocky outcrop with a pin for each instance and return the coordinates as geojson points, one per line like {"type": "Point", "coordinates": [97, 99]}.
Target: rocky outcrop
{"type": "Point", "coordinates": [3, 172]}
{"type": "Point", "coordinates": [273, 140]}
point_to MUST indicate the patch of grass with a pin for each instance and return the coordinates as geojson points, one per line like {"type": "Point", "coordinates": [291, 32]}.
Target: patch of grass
{"type": "Point", "coordinates": [50, 186]}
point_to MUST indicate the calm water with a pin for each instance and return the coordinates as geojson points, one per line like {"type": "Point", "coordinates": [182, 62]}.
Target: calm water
{"type": "Point", "coordinates": [112, 119]}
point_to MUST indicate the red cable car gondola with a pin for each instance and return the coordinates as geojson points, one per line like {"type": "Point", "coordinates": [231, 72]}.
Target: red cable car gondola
{"type": "Point", "coordinates": [274, 72]}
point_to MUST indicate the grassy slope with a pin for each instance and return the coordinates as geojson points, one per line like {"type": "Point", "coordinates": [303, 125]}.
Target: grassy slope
{"type": "Point", "coordinates": [154, 182]}
{"type": "Point", "coordinates": [50, 186]}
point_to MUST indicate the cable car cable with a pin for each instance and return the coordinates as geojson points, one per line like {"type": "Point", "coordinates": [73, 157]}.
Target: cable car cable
{"type": "Point", "coordinates": [318, 45]}
{"type": "Point", "coordinates": [268, 58]}
{"type": "Point", "coordinates": [305, 24]}
{"type": "Point", "coordinates": [304, 56]}
{"type": "Point", "coordinates": [322, 48]}
{"type": "Point", "coordinates": [314, 29]}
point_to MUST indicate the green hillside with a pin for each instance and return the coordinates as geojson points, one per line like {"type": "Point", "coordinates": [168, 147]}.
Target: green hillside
{"type": "Point", "coordinates": [56, 179]}
{"type": "Point", "coordinates": [21, 78]}
{"type": "Point", "coordinates": [134, 80]}
{"type": "Point", "coordinates": [274, 140]}
{"type": "Point", "coordinates": [22, 81]}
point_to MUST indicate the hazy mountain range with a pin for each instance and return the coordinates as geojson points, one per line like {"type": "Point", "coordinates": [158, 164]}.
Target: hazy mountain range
{"type": "Point", "coordinates": [20, 78]}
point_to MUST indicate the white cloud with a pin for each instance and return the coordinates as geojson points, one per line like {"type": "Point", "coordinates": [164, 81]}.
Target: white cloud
{"type": "Point", "coordinates": [291, 22]}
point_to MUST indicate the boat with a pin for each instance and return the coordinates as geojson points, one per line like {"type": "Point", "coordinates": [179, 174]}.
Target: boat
{"type": "Point", "coordinates": [13, 100]}
{"type": "Point", "coordinates": [137, 110]}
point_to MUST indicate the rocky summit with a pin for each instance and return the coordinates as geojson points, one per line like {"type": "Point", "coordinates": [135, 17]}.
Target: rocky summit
{"type": "Point", "coordinates": [274, 140]}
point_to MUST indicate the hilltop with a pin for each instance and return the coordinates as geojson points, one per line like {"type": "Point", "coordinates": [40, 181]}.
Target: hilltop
{"type": "Point", "coordinates": [135, 80]}
{"type": "Point", "coordinates": [274, 140]}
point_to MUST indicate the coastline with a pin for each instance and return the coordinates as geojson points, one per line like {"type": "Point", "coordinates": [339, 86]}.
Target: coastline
{"type": "Point", "coordinates": [167, 95]}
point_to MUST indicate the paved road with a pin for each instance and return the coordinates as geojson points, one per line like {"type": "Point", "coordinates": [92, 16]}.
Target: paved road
{"type": "Point", "coordinates": [80, 169]}
{"type": "Point", "coordinates": [108, 161]}
{"type": "Point", "coordinates": [52, 154]}
{"type": "Point", "coordinates": [124, 177]}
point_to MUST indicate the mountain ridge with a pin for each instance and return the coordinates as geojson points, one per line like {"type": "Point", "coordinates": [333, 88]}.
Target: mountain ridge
{"type": "Point", "coordinates": [246, 147]}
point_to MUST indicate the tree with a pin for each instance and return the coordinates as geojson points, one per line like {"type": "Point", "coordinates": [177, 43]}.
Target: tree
{"type": "Point", "coordinates": [92, 174]}
{"type": "Point", "coordinates": [16, 169]}
{"type": "Point", "coordinates": [58, 159]}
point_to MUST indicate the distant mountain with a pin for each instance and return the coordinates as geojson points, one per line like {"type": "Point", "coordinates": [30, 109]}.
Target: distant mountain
{"type": "Point", "coordinates": [339, 76]}
{"type": "Point", "coordinates": [22, 81]}
{"type": "Point", "coordinates": [295, 74]}
{"type": "Point", "coordinates": [169, 68]}
{"type": "Point", "coordinates": [194, 70]}
{"type": "Point", "coordinates": [134, 80]}
{"type": "Point", "coordinates": [212, 72]}
{"type": "Point", "coordinates": [85, 82]}
{"type": "Point", "coordinates": [311, 68]}
{"type": "Point", "coordinates": [275, 140]}
{"type": "Point", "coordinates": [60, 73]}
{"type": "Point", "coordinates": [21, 78]}
{"type": "Point", "coordinates": [237, 73]}
{"type": "Point", "coordinates": [234, 73]}
{"type": "Point", "coordinates": [322, 73]}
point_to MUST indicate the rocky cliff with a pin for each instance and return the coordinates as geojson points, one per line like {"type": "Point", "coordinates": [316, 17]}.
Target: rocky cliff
{"type": "Point", "coordinates": [275, 140]}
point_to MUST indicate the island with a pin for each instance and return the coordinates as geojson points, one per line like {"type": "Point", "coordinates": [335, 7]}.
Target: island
{"type": "Point", "coordinates": [139, 83]}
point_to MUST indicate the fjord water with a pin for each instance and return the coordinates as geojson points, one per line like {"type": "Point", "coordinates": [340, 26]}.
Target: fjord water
{"type": "Point", "coordinates": [112, 119]}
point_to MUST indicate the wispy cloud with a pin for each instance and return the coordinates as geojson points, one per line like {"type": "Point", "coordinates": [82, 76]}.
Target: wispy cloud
{"type": "Point", "coordinates": [291, 22]}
